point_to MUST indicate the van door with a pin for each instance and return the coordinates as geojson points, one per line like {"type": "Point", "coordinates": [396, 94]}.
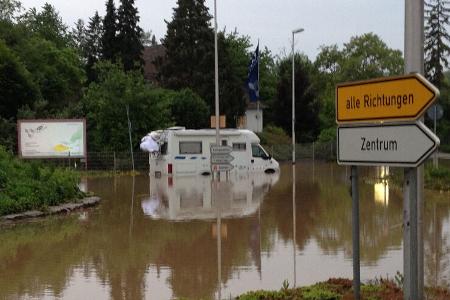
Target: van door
{"type": "Point", "coordinates": [259, 158]}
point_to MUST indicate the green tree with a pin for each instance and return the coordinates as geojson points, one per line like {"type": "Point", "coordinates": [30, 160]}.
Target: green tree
{"type": "Point", "coordinates": [8, 133]}
{"type": "Point", "coordinates": [47, 24]}
{"type": "Point", "coordinates": [367, 57]}
{"type": "Point", "coordinates": [189, 43]}
{"type": "Point", "coordinates": [306, 105]}
{"type": "Point", "coordinates": [79, 36]}
{"type": "Point", "coordinates": [129, 36]}
{"type": "Point", "coordinates": [363, 57]}
{"type": "Point", "coordinates": [9, 9]}
{"type": "Point", "coordinates": [267, 76]}
{"type": "Point", "coordinates": [437, 15]}
{"type": "Point", "coordinates": [109, 38]}
{"type": "Point", "coordinates": [189, 110]}
{"type": "Point", "coordinates": [16, 83]}
{"type": "Point", "coordinates": [192, 65]}
{"type": "Point", "coordinates": [93, 49]}
{"type": "Point", "coordinates": [233, 61]}
{"type": "Point", "coordinates": [328, 66]}
{"type": "Point", "coordinates": [58, 72]}
{"type": "Point", "coordinates": [104, 107]}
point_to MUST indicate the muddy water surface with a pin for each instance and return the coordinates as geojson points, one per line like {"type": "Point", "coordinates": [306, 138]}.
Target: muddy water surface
{"type": "Point", "coordinates": [164, 238]}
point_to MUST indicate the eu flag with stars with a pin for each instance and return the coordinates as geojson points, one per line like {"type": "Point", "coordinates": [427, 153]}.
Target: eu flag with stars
{"type": "Point", "coordinates": [253, 74]}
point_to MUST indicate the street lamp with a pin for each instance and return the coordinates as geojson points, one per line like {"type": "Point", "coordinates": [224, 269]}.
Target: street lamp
{"type": "Point", "coordinates": [293, 94]}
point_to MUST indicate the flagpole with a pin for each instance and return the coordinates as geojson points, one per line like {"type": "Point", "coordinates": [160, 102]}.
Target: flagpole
{"type": "Point", "coordinates": [257, 101]}
{"type": "Point", "coordinates": [216, 77]}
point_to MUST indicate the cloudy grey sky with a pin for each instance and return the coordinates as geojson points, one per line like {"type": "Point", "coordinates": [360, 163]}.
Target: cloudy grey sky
{"type": "Point", "coordinates": [325, 22]}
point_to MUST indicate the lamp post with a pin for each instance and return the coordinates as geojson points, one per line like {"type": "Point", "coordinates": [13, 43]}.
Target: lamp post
{"type": "Point", "coordinates": [293, 94]}
{"type": "Point", "coordinates": [216, 75]}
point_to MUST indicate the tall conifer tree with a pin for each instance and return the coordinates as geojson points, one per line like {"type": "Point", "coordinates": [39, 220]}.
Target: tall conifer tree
{"type": "Point", "coordinates": [93, 45]}
{"type": "Point", "coordinates": [437, 15]}
{"type": "Point", "coordinates": [189, 43]}
{"type": "Point", "coordinates": [79, 36]}
{"type": "Point", "coordinates": [129, 36]}
{"type": "Point", "coordinates": [109, 42]}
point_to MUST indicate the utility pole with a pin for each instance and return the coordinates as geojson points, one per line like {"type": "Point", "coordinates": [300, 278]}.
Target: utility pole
{"type": "Point", "coordinates": [413, 177]}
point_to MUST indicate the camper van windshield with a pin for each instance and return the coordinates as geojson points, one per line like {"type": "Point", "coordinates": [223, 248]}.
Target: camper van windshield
{"type": "Point", "coordinates": [258, 151]}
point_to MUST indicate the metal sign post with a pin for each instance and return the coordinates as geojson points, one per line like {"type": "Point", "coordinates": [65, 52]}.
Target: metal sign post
{"type": "Point", "coordinates": [355, 233]}
{"type": "Point", "coordinates": [413, 178]}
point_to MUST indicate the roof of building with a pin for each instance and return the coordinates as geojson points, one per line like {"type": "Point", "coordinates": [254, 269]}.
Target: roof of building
{"type": "Point", "coordinates": [150, 55]}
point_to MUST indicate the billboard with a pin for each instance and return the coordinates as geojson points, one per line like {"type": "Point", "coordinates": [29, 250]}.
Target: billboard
{"type": "Point", "coordinates": [51, 138]}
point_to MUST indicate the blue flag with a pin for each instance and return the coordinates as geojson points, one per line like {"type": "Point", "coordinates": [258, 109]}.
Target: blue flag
{"type": "Point", "coordinates": [253, 76]}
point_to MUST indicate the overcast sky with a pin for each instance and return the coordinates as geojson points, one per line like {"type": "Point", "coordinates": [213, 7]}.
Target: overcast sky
{"type": "Point", "coordinates": [325, 22]}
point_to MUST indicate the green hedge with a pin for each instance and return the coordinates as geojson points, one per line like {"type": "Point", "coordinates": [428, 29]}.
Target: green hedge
{"type": "Point", "coordinates": [27, 185]}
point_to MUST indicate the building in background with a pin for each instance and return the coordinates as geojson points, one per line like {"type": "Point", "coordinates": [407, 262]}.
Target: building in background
{"type": "Point", "coordinates": [253, 117]}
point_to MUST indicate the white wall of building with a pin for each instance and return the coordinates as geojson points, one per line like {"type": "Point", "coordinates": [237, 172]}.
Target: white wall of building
{"type": "Point", "coordinates": [254, 120]}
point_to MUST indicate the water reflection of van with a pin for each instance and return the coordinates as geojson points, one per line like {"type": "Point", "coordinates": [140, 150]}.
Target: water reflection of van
{"type": "Point", "coordinates": [196, 197]}
{"type": "Point", "coordinates": [187, 152]}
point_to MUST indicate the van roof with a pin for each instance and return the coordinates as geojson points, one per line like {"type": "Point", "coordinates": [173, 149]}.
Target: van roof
{"type": "Point", "coordinates": [212, 132]}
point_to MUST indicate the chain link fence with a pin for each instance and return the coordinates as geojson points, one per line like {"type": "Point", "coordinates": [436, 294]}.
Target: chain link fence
{"type": "Point", "coordinates": [122, 161]}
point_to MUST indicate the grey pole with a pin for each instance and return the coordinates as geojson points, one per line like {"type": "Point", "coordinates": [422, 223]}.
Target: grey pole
{"type": "Point", "coordinates": [410, 227]}
{"type": "Point", "coordinates": [413, 177]}
{"type": "Point", "coordinates": [355, 232]}
{"type": "Point", "coordinates": [129, 134]}
{"type": "Point", "coordinates": [293, 101]}
{"type": "Point", "coordinates": [435, 156]}
{"type": "Point", "coordinates": [294, 224]}
{"type": "Point", "coordinates": [216, 81]}
{"type": "Point", "coordinates": [293, 93]}
{"type": "Point", "coordinates": [216, 75]}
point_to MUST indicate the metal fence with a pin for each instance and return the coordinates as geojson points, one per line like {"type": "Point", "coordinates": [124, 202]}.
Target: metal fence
{"type": "Point", "coordinates": [322, 151]}
{"type": "Point", "coordinates": [107, 161]}
{"type": "Point", "coordinates": [121, 161]}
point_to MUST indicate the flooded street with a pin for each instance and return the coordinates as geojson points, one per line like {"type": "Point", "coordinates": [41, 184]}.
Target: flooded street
{"type": "Point", "coordinates": [164, 238]}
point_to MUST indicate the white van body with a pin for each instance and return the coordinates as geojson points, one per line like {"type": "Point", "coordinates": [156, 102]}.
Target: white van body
{"type": "Point", "coordinates": [187, 152]}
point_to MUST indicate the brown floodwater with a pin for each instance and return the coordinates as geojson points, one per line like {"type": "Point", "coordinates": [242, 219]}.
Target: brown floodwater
{"type": "Point", "coordinates": [164, 238]}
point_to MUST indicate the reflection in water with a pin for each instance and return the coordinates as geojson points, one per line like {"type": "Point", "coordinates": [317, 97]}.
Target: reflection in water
{"type": "Point", "coordinates": [191, 197]}
{"type": "Point", "coordinates": [294, 223]}
{"type": "Point", "coordinates": [184, 245]}
{"type": "Point", "coordinates": [381, 185]}
{"type": "Point", "coordinates": [381, 192]}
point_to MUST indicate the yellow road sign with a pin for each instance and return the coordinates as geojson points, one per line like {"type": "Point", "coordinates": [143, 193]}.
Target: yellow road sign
{"type": "Point", "coordinates": [384, 99]}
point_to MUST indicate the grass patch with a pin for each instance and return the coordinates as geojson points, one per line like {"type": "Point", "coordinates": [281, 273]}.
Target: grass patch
{"type": "Point", "coordinates": [29, 185]}
{"type": "Point", "coordinates": [340, 288]}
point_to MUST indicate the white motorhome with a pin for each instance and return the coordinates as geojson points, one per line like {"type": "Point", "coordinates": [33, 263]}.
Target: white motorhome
{"type": "Point", "coordinates": [187, 152]}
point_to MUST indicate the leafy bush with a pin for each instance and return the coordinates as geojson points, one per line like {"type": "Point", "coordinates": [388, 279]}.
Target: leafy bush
{"type": "Point", "coordinates": [273, 135]}
{"type": "Point", "coordinates": [327, 135]}
{"type": "Point", "coordinates": [31, 185]}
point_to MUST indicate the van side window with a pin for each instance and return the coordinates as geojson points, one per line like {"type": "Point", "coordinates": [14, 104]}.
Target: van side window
{"type": "Point", "coordinates": [190, 147]}
{"type": "Point", "coordinates": [239, 147]}
{"type": "Point", "coordinates": [257, 151]}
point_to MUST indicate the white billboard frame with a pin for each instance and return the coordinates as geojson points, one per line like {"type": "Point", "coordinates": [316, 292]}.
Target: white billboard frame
{"type": "Point", "coordinates": [43, 124]}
